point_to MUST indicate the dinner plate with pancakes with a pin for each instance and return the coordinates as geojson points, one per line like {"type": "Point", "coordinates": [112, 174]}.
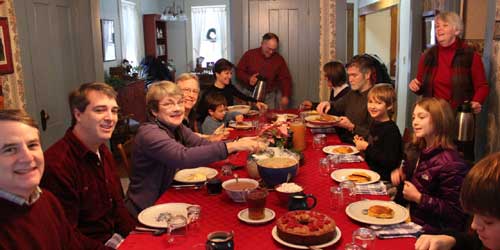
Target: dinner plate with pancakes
{"type": "Point", "coordinates": [340, 150]}
{"type": "Point", "coordinates": [357, 175]}
{"type": "Point", "coordinates": [322, 119]}
{"type": "Point", "coordinates": [376, 212]}
{"type": "Point", "coordinates": [157, 215]}
{"type": "Point", "coordinates": [242, 109]}
{"type": "Point", "coordinates": [241, 125]}
{"type": "Point", "coordinates": [195, 175]}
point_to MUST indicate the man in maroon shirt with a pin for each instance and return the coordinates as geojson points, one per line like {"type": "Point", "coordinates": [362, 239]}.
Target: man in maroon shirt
{"type": "Point", "coordinates": [267, 63]}
{"type": "Point", "coordinates": [30, 218]}
{"type": "Point", "coordinates": [81, 170]}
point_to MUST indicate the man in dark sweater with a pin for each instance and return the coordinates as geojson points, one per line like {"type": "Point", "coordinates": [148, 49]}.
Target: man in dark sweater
{"type": "Point", "coordinates": [30, 218]}
{"type": "Point", "coordinates": [81, 171]}
{"type": "Point", "coordinates": [356, 119]}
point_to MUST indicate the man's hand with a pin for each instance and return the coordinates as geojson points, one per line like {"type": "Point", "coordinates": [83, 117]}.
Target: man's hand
{"type": "Point", "coordinates": [344, 122]}
{"type": "Point", "coordinates": [476, 107]}
{"type": "Point", "coordinates": [415, 85]}
{"type": "Point", "coordinates": [323, 107]}
{"type": "Point", "coordinates": [253, 79]}
{"type": "Point", "coordinates": [261, 106]}
{"type": "Point", "coordinates": [284, 102]}
{"type": "Point", "coordinates": [435, 242]}
{"type": "Point", "coordinates": [411, 193]}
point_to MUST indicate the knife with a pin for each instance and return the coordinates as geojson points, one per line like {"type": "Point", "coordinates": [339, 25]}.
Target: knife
{"type": "Point", "coordinates": [188, 186]}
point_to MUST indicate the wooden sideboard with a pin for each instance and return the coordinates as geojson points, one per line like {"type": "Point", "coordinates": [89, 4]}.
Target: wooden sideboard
{"type": "Point", "coordinates": [132, 100]}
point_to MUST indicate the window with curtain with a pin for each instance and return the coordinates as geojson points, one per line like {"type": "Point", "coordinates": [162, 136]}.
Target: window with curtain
{"type": "Point", "coordinates": [209, 32]}
{"type": "Point", "coordinates": [130, 32]}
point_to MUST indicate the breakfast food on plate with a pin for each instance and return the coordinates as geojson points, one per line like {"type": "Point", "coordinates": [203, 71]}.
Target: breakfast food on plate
{"type": "Point", "coordinates": [359, 177]}
{"type": "Point", "coordinates": [303, 227]}
{"type": "Point", "coordinates": [381, 212]}
{"type": "Point", "coordinates": [195, 177]}
{"type": "Point", "coordinates": [326, 118]}
{"type": "Point", "coordinates": [343, 150]}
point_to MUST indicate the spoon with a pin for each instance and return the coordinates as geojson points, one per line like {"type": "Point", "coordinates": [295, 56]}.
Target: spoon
{"type": "Point", "coordinates": [236, 177]}
{"type": "Point", "coordinates": [288, 177]}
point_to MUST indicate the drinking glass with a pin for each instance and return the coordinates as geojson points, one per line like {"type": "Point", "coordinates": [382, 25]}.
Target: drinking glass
{"type": "Point", "coordinates": [348, 191]}
{"type": "Point", "coordinates": [193, 217]}
{"type": "Point", "coordinates": [176, 227]}
{"type": "Point", "coordinates": [319, 141]}
{"type": "Point", "coordinates": [336, 198]}
{"type": "Point", "coordinates": [324, 167]}
{"type": "Point", "coordinates": [256, 201]}
{"type": "Point", "coordinates": [334, 161]}
{"type": "Point", "coordinates": [364, 237]}
{"type": "Point", "coordinates": [352, 246]}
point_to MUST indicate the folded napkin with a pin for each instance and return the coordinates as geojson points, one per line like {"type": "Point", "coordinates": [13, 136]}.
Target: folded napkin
{"type": "Point", "coordinates": [377, 188]}
{"type": "Point", "coordinates": [402, 230]}
{"type": "Point", "coordinates": [349, 158]}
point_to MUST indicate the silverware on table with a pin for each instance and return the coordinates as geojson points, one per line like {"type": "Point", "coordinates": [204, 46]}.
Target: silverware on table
{"type": "Point", "coordinates": [187, 186]}
{"type": "Point", "coordinates": [147, 230]}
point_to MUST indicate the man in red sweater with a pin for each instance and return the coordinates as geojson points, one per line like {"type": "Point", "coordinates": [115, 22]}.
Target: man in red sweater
{"type": "Point", "coordinates": [81, 170]}
{"type": "Point", "coordinates": [30, 218]}
{"type": "Point", "coordinates": [265, 62]}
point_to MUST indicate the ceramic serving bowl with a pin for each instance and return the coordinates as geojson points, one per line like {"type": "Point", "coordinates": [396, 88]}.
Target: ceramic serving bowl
{"type": "Point", "coordinates": [237, 189]}
{"type": "Point", "coordinates": [277, 170]}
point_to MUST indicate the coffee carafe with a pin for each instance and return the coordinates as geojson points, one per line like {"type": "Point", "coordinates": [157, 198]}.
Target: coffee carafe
{"type": "Point", "coordinates": [259, 91]}
{"type": "Point", "coordinates": [465, 122]}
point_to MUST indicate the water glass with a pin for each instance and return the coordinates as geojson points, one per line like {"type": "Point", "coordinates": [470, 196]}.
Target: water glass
{"type": "Point", "coordinates": [324, 167]}
{"type": "Point", "coordinates": [336, 199]}
{"type": "Point", "coordinates": [334, 162]}
{"type": "Point", "coordinates": [226, 169]}
{"type": "Point", "coordinates": [364, 237]}
{"type": "Point", "coordinates": [176, 227]}
{"type": "Point", "coordinates": [319, 141]}
{"type": "Point", "coordinates": [193, 217]}
{"type": "Point", "coordinates": [348, 191]}
{"type": "Point", "coordinates": [352, 246]}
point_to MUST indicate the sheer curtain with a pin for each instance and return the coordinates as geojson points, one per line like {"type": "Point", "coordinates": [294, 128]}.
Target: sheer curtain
{"type": "Point", "coordinates": [130, 32]}
{"type": "Point", "coordinates": [203, 19]}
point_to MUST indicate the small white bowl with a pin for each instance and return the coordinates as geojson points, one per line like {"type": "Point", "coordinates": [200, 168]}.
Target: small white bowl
{"type": "Point", "coordinates": [239, 195]}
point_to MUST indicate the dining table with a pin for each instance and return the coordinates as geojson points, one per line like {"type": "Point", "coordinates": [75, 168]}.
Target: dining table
{"type": "Point", "coordinates": [220, 213]}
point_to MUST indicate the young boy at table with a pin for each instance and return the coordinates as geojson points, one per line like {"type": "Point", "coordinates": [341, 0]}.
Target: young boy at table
{"type": "Point", "coordinates": [432, 187]}
{"type": "Point", "coordinates": [383, 149]}
{"type": "Point", "coordinates": [217, 114]}
{"type": "Point", "coordinates": [480, 190]}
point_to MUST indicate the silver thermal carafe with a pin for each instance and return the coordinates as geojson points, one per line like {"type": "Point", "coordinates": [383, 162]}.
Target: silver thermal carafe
{"type": "Point", "coordinates": [259, 91]}
{"type": "Point", "coordinates": [465, 123]}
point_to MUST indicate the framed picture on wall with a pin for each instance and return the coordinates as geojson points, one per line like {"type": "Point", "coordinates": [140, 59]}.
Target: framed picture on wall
{"type": "Point", "coordinates": [6, 65]}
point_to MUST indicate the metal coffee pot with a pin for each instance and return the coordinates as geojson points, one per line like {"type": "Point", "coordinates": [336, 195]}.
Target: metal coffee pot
{"type": "Point", "coordinates": [465, 123]}
{"type": "Point", "coordinates": [259, 91]}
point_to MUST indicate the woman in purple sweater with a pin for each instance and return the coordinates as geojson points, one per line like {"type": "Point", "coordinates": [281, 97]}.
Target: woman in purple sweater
{"type": "Point", "coordinates": [164, 145]}
{"type": "Point", "coordinates": [433, 186]}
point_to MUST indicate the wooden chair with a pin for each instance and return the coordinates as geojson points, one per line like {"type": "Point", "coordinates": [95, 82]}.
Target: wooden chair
{"type": "Point", "coordinates": [125, 150]}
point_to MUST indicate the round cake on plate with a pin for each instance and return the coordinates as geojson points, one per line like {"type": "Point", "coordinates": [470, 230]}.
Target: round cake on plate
{"type": "Point", "coordinates": [303, 227]}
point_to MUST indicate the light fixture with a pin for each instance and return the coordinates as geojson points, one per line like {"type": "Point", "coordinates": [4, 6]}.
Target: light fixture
{"type": "Point", "coordinates": [173, 13]}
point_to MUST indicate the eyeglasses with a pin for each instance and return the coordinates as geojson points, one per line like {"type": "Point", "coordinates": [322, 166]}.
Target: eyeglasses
{"type": "Point", "coordinates": [187, 90]}
{"type": "Point", "coordinates": [171, 105]}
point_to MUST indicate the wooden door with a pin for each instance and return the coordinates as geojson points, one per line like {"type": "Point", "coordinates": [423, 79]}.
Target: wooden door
{"type": "Point", "coordinates": [289, 20]}
{"type": "Point", "coordinates": [49, 62]}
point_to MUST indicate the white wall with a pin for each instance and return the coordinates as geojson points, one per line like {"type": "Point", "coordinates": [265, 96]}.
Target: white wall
{"type": "Point", "coordinates": [109, 10]}
{"type": "Point", "coordinates": [378, 34]}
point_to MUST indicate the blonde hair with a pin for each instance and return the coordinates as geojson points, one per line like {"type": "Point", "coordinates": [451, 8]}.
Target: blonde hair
{"type": "Point", "coordinates": [185, 77]}
{"type": "Point", "coordinates": [384, 92]}
{"type": "Point", "coordinates": [453, 19]}
{"type": "Point", "coordinates": [158, 91]}
{"type": "Point", "coordinates": [442, 119]}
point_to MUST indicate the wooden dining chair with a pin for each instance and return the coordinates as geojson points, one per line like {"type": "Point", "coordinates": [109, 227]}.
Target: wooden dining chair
{"type": "Point", "coordinates": [125, 150]}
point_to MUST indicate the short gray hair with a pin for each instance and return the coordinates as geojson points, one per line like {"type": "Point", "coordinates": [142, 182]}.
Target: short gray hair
{"type": "Point", "coordinates": [157, 91]}
{"type": "Point", "coordinates": [453, 19]}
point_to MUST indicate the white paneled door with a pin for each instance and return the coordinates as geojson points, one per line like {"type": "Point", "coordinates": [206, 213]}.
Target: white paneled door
{"type": "Point", "coordinates": [289, 20]}
{"type": "Point", "coordinates": [49, 65]}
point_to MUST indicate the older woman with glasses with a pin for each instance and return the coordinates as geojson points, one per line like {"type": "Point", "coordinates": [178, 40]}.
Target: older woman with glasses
{"type": "Point", "coordinates": [164, 145]}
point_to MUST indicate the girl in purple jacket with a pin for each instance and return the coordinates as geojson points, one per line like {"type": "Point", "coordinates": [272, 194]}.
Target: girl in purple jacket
{"type": "Point", "coordinates": [432, 186]}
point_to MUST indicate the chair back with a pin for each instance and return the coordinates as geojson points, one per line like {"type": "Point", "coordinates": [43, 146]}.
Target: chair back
{"type": "Point", "coordinates": [125, 150]}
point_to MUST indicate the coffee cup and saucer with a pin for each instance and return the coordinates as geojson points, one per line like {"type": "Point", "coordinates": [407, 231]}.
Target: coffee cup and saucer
{"type": "Point", "coordinates": [256, 213]}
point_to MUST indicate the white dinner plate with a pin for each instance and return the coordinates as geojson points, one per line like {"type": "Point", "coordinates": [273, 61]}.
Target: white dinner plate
{"type": "Point", "coordinates": [195, 175]}
{"type": "Point", "coordinates": [355, 212]}
{"type": "Point", "coordinates": [288, 116]}
{"type": "Point", "coordinates": [149, 215]}
{"type": "Point", "coordinates": [315, 119]}
{"type": "Point", "coordinates": [243, 109]}
{"type": "Point", "coordinates": [332, 150]}
{"type": "Point", "coordinates": [241, 125]}
{"type": "Point", "coordinates": [338, 234]}
{"type": "Point", "coordinates": [310, 125]}
{"type": "Point", "coordinates": [268, 216]}
{"type": "Point", "coordinates": [340, 175]}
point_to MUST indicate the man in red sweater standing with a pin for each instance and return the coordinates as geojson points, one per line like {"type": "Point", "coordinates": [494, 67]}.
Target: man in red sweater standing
{"type": "Point", "coordinates": [267, 64]}
{"type": "Point", "coordinates": [81, 170]}
{"type": "Point", "coordinates": [30, 218]}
